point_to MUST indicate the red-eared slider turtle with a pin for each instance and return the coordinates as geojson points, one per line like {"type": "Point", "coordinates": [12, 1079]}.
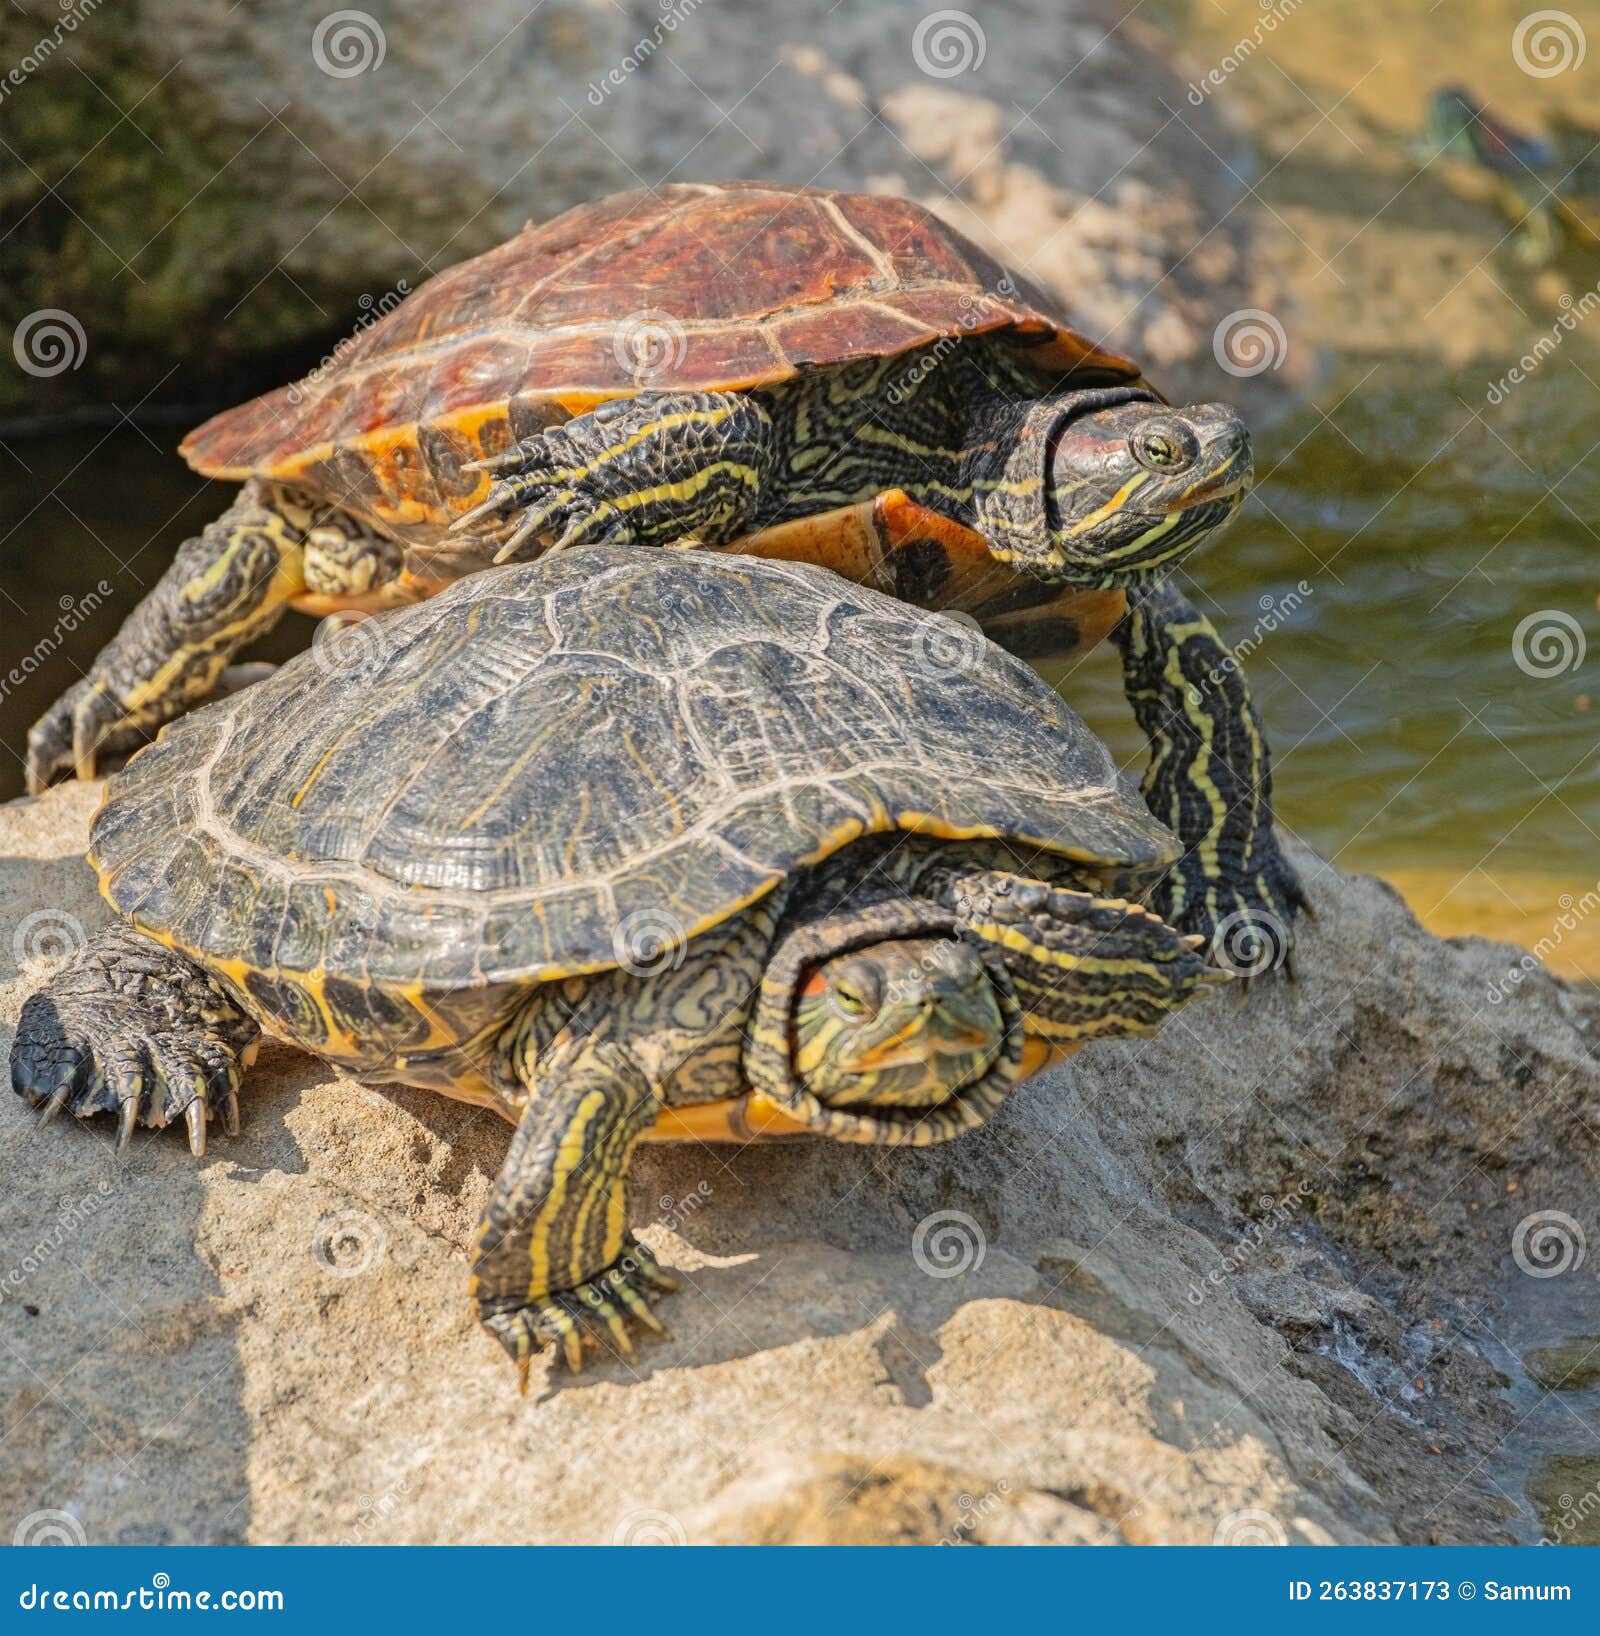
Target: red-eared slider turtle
{"type": "Point", "coordinates": [618, 840]}
{"type": "Point", "coordinates": [780, 371]}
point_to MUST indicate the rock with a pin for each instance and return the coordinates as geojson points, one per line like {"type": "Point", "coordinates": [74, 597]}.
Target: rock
{"type": "Point", "coordinates": [208, 196]}
{"type": "Point", "coordinates": [1569, 1367]}
{"type": "Point", "coordinates": [1218, 1285]}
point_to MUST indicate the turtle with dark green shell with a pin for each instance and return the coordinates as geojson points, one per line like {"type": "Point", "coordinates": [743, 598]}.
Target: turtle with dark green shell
{"type": "Point", "coordinates": [781, 371]}
{"type": "Point", "coordinates": [623, 844]}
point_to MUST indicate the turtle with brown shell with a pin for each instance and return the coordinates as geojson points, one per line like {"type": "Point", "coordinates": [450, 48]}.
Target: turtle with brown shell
{"type": "Point", "coordinates": [786, 372]}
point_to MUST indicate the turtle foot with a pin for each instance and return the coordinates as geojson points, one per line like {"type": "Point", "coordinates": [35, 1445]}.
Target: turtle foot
{"type": "Point", "coordinates": [129, 1028]}
{"type": "Point", "coordinates": [1247, 919]}
{"type": "Point", "coordinates": [602, 1312]}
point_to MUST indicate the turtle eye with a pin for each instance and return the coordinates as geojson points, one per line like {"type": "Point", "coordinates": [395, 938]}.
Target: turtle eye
{"type": "Point", "coordinates": [1164, 446]}
{"type": "Point", "coordinates": [856, 991]}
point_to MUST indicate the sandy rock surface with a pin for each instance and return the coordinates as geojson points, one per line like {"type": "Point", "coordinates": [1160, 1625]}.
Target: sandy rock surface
{"type": "Point", "coordinates": [1228, 1284]}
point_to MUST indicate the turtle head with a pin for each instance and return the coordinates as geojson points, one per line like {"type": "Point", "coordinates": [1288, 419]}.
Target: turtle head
{"type": "Point", "coordinates": [1109, 487]}
{"type": "Point", "coordinates": [905, 1023]}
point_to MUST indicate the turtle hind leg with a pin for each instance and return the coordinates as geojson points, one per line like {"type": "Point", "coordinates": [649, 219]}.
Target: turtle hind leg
{"type": "Point", "coordinates": [556, 1262]}
{"type": "Point", "coordinates": [645, 470]}
{"type": "Point", "coordinates": [130, 1028]}
{"type": "Point", "coordinates": [1210, 782]}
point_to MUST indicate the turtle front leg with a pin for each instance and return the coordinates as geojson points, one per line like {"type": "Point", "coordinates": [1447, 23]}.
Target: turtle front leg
{"type": "Point", "coordinates": [1210, 781]}
{"type": "Point", "coordinates": [1084, 967]}
{"type": "Point", "coordinates": [644, 471]}
{"type": "Point", "coordinates": [556, 1261]}
{"type": "Point", "coordinates": [130, 1028]}
{"type": "Point", "coordinates": [224, 588]}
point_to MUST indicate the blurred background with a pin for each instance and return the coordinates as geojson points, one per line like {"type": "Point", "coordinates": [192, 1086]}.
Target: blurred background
{"type": "Point", "coordinates": [1372, 224]}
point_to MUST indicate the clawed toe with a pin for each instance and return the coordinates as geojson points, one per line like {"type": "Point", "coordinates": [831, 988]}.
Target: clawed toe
{"type": "Point", "coordinates": [599, 1314]}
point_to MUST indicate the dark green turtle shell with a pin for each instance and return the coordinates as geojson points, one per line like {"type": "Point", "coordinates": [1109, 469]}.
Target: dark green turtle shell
{"type": "Point", "coordinates": [481, 789]}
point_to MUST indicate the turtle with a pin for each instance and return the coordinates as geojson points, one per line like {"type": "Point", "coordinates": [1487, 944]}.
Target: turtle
{"type": "Point", "coordinates": [748, 367]}
{"type": "Point", "coordinates": [1550, 190]}
{"type": "Point", "coordinates": [621, 844]}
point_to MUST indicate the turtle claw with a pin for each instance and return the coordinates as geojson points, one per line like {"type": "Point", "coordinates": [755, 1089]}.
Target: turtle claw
{"type": "Point", "coordinates": [600, 1314]}
{"type": "Point", "coordinates": [126, 1027]}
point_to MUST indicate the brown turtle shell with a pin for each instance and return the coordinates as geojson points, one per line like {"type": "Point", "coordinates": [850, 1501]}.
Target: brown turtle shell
{"type": "Point", "coordinates": [689, 287]}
